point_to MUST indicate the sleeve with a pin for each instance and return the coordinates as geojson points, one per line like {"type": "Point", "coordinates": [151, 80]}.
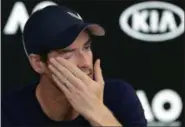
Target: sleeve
{"type": "Point", "coordinates": [126, 105]}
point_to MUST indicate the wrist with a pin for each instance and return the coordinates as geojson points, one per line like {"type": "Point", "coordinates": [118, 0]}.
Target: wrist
{"type": "Point", "coordinates": [102, 116]}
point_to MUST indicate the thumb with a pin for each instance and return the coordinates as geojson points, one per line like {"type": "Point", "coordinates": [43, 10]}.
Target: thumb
{"type": "Point", "coordinates": [98, 72]}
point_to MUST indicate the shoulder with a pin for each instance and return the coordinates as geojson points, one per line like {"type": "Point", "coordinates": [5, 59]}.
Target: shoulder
{"type": "Point", "coordinates": [17, 94]}
{"type": "Point", "coordinates": [120, 90]}
{"type": "Point", "coordinates": [11, 106]}
{"type": "Point", "coordinates": [119, 87]}
{"type": "Point", "coordinates": [121, 98]}
{"type": "Point", "coordinates": [12, 96]}
{"type": "Point", "coordinates": [117, 83]}
{"type": "Point", "coordinates": [16, 102]}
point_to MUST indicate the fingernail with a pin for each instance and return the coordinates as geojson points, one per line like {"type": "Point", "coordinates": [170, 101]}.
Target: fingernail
{"type": "Point", "coordinates": [99, 61]}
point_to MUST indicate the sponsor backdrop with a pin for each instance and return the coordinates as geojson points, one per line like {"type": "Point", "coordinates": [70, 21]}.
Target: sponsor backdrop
{"type": "Point", "coordinates": [143, 45]}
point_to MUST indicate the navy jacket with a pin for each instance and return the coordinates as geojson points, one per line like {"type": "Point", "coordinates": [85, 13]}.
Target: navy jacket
{"type": "Point", "coordinates": [21, 108]}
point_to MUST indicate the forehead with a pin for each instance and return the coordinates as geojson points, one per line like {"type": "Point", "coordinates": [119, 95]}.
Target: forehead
{"type": "Point", "coordinates": [83, 38]}
{"type": "Point", "coordinates": [80, 40]}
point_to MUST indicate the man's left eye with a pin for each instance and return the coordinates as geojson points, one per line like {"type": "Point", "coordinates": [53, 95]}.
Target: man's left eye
{"type": "Point", "coordinates": [88, 47]}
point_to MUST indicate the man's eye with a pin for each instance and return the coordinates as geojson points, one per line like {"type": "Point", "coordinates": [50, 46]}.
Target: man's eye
{"type": "Point", "coordinates": [88, 47]}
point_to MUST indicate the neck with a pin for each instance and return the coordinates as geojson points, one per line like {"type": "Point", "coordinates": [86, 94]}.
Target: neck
{"type": "Point", "coordinates": [53, 102]}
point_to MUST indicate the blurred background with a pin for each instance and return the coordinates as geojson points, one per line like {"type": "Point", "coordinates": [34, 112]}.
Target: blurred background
{"type": "Point", "coordinates": [144, 45]}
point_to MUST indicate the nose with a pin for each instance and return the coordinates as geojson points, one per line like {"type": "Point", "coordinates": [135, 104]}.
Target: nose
{"type": "Point", "coordinates": [83, 60]}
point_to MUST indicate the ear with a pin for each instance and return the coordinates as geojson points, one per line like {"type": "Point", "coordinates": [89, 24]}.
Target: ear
{"type": "Point", "coordinates": [36, 63]}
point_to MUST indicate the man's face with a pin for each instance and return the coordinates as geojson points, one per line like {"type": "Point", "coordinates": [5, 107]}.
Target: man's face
{"type": "Point", "coordinates": [79, 53]}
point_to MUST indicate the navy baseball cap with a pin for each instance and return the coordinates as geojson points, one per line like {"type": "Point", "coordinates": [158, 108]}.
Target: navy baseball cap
{"type": "Point", "coordinates": [55, 27]}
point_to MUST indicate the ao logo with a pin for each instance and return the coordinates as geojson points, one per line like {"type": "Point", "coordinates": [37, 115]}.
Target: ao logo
{"type": "Point", "coordinates": [19, 15]}
{"type": "Point", "coordinates": [157, 109]}
{"type": "Point", "coordinates": [153, 21]}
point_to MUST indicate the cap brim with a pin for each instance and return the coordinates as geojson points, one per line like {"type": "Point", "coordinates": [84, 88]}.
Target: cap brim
{"type": "Point", "coordinates": [67, 37]}
{"type": "Point", "coordinates": [95, 29]}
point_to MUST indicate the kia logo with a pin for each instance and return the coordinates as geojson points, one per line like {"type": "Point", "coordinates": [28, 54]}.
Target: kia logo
{"type": "Point", "coordinates": [153, 21]}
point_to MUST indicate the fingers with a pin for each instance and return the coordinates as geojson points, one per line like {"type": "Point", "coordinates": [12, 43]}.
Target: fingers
{"type": "Point", "coordinates": [61, 80]}
{"type": "Point", "coordinates": [64, 74]}
{"type": "Point", "coordinates": [98, 72]}
{"type": "Point", "coordinates": [62, 87]}
{"type": "Point", "coordinates": [74, 70]}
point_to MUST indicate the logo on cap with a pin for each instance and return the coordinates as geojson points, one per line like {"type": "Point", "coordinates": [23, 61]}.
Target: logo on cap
{"type": "Point", "coordinates": [75, 16]}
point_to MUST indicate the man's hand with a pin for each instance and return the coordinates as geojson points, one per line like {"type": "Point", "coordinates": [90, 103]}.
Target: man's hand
{"type": "Point", "coordinates": [84, 94]}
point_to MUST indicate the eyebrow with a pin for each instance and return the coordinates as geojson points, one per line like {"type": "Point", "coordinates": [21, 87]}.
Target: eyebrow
{"type": "Point", "coordinates": [67, 50]}
{"type": "Point", "coordinates": [88, 42]}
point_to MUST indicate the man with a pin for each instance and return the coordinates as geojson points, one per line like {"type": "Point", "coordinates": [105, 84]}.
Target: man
{"type": "Point", "coordinates": [71, 90]}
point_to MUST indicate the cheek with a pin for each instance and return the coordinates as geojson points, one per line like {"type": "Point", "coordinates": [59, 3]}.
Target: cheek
{"type": "Point", "coordinates": [48, 75]}
{"type": "Point", "coordinates": [90, 56]}
{"type": "Point", "coordinates": [47, 71]}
